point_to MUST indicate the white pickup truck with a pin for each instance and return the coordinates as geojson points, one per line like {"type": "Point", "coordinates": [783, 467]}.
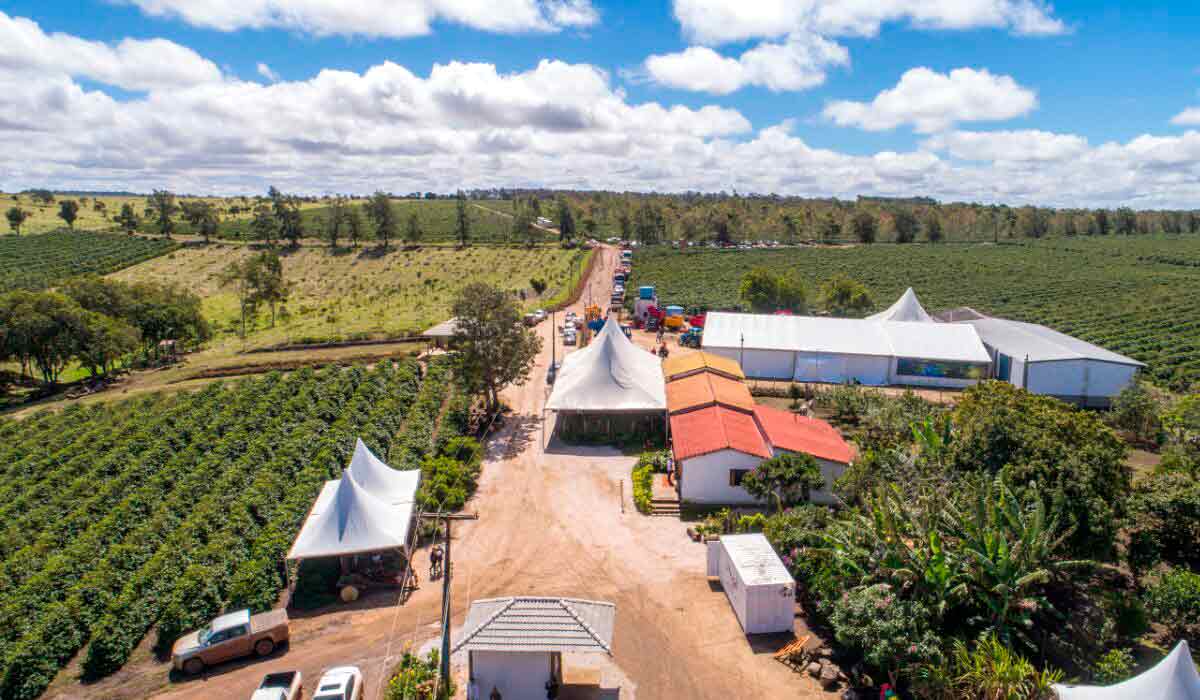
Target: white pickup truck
{"type": "Point", "coordinates": [280, 686]}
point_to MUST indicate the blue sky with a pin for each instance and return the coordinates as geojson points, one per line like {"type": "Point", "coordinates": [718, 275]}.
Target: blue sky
{"type": "Point", "coordinates": [1079, 102]}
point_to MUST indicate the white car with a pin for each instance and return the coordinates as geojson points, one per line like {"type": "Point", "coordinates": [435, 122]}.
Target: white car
{"type": "Point", "coordinates": [341, 683]}
{"type": "Point", "coordinates": [540, 314]}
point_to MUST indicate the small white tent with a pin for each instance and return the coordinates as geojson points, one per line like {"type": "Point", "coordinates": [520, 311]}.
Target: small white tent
{"type": "Point", "coordinates": [369, 509]}
{"type": "Point", "coordinates": [1173, 678]}
{"type": "Point", "coordinates": [906, 308]}
{"type": "Point", "coordinates": [610, 375]}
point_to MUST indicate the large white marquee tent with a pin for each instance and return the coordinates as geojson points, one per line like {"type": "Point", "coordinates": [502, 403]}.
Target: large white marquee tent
{"type": "Point", "coordinates": [610, 375]}
{"type": "Point", "coordinates": [1173, 678]}
{"type": "Point", "coordinates": [369, 509]}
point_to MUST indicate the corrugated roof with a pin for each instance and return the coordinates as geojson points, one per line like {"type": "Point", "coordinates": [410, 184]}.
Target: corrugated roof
{"type": "Point", "coordinates": [713, 429]}
{"type": "Point", "coordinates": [845, 336]}
{"type": "Point", "coordinates": [705, 389]}
{"type": "Point", "coordinates": [1018, 339]}
{"type": "Point", "coordinates": [445, 329]}
{"type": "Point", "coordinates": [789, 431]}
{"type": "Point", "coordinates": [538, 624]}
{"type": "Point", "coordinates": [680, 365]}
{"type": "Point", "coordinates": [755, 560]}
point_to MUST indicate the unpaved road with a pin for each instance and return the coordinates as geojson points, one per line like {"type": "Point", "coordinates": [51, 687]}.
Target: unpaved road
{"type": "Point", "coordinates": [550, 523]}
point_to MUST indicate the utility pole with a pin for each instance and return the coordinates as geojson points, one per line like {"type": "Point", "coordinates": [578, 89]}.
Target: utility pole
{"type": "Point", "coordinates": [444, 670]}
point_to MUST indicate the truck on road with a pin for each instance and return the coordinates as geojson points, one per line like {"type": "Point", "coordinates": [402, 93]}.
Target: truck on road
{"type": "Point", "coordinates": [287, 685]}
{"type": "Point", "coordinates": [230, 636]}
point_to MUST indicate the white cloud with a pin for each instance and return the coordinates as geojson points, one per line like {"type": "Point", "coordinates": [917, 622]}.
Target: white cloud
{"type": "Point", "coordinates": [265, 71]}
{"type": "Point", "coordinates": [932, 101]}
{"type": "Point", "coordinates": [1188, 117]}
{"type": "Point", "coordinates": [376, 18]}
{"type": "Point", "coordinates": [797, 64]}
{"type": "Point", "coordinates": [132, 64]}
{"type": "Point", "coordinates": [555, 125]}
{"type": "Point", "coordinates": [1026, 145]}
{"type": "Point", "coordinates": [721, 21]}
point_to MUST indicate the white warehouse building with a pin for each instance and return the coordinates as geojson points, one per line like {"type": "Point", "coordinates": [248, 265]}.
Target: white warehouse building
{"type": "Point", "coordinates": [871, 351]}
{"type": "Point", "coordinates": [1044, 361]}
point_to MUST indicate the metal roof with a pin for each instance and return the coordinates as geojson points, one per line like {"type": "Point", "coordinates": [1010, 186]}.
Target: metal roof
{"type": "Point", "coordinates": [1018, 339]}
{"type": "Point", "coordinates": [445, 329]}
{"type": "Point", "coordinates": [233, 619]}
{"type": "Point", "coordinates": [538, 624]}
{"type": "Point", "coordinates": [755, 560]}
{"type": "Point", "coordinates": [845, 336]}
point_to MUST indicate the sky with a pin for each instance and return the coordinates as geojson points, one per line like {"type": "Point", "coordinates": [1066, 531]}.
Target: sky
{"type": "Point", "coordinates": [1076, 103]}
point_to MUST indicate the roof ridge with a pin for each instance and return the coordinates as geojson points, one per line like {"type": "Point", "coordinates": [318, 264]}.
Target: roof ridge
{"type": "Point", "coordinates": [492, 618]}
{"type": "Point", "coordinates": [566, 605]}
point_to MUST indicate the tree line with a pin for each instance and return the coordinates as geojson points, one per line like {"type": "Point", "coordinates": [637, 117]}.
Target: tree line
{"type": "Point", "coordinates": [96, 322]}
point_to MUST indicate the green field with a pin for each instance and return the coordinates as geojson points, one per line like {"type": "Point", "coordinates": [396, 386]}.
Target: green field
{"type": "Point", "coordinates": [1136, 296]}
{"type": "Point", "coordinates": [37, 262]}
{"type": "Point", "coordinates": [159, 512]}
{"type": "Point", "coordinates": [490, 222]}
{"type": "Point", "coordinates": [359, 293]}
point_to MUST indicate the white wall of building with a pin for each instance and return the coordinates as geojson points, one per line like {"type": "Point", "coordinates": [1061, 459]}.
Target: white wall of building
{"type": "Point", "coordinates": [767, 364]}
{"type": "Point", "coordinates": [1080, 380]}
{"type": "Point", "coordinates": [705, 479]}
{"type": "Point", "coordinates": [762, 609]}
{"type": "Point", "coordinates": [516, 675]}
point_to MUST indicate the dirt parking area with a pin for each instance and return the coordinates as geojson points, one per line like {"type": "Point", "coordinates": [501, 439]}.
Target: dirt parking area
{"type": "Point", "coordinates": [553, 520]}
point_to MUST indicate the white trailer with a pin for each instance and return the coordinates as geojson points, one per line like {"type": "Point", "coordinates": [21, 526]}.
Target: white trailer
{"type": "Point", "coordinates": [757, 584]}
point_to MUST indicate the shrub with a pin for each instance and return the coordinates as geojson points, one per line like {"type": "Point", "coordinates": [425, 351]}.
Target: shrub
{"type": "Point", "coordinates": [416, 678]}
{"type": "Point", "coordinates": [985, 671]}
{"type": "Point", "coordinates": [1113, 667]}
{"type": "Point", "coordinates": [642, 479]}
{"type": "Point", "coordinates": [1174, 601]}
{"type": "Point", "coordinates": [890, 632]}
{"type": "Point", "coordinates": [1164, 521]}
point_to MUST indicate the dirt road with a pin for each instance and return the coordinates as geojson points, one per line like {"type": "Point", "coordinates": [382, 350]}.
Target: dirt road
{"type": "Point", "coordinates": [551, 522]}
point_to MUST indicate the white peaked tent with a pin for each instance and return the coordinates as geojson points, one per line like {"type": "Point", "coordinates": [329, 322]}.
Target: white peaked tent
{"type": "Point", "coordinates": [1173, 678]}
{"type": "Point", "coordinates": [610, 375]}
{"type": "Point", "coordinates": [369, 509]}
{"type": "Point", "coordinates": [906, 308]}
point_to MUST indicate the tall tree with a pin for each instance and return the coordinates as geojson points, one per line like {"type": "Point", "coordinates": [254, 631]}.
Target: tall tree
{"type": "Point", "coordinates": [495, 347]}
{"type": "Point", "coordinates": [906, 225]}
{"type": "Point", "coordinates": [287, 216]}
{"type": "Point", "coordinates": [383, 216]}
{"type": "Point", "coordinates": [933, 228]}
{"type": "Point", "coordinates": [162, 203]}
{"type": "Point", "coordinates": [263, 224]}
{"type": "Point", "coordinates": [16, 217]}
{"type": "Point", "coordinates": [462, 222]}
{"type": "Point", "coordinates": [127, 219]}
{"type": "Point", "coordinates": [68, 211]}
{"type": "Point", "coordinates": [1102, 222]}
{"type": "Point", "coordinates": [866, 226]}
{"type": "Point", "coordinates": [202, 217]}
{"type": "Point", "coordinates": [522, 225]}
{"type": "Point", "coordinates": [413, 232]}
{"type": "Point", "coordinates": [831, 228]}
{"type": "Point", "coordinates": [787, 479]}
{"type": "Point", "coordinates": [566, 220]}
{"type": "Point", "coordinates": [337, 217]}
{"type": "Point", "coordinates": [1126, 222]}
{"type": "Point", "coordinates": [257, 280]}
{"type": "Point", "coordinates": [846, 297]}
{"type": "Point", "coordinates": [354, 224]}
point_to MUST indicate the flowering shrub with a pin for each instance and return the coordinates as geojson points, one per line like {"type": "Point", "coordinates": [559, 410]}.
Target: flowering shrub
{"type": "Point", "coordinates": [890, 632]}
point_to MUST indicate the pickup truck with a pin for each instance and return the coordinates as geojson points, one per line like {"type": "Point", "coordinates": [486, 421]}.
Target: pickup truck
{"type": "Point", "coordinates": [230, 636]}
{"type": "Point", "coordinates": [287, 685]}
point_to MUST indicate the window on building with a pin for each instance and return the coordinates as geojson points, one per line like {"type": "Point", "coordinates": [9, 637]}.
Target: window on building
{"type": "Point", "coordinates": [736, 476]}
{"type": "Point", "coordinates": [912, 367]}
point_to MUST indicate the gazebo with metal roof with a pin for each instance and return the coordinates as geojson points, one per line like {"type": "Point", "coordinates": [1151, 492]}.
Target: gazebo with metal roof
{"type": "Point", "coordinates": [515, 645]}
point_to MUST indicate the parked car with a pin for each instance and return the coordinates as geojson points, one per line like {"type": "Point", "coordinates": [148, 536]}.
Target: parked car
{"type": "Point", "coordinates": [540, 314]}
{"type": "Point", "coordinates": [341, 683]}
{"type": "Point", "coordinates": [230, 636]}
{"type": "Point", "coordinates": [569, 338]}
{"type": "Point", "coordinates": [287, 685]}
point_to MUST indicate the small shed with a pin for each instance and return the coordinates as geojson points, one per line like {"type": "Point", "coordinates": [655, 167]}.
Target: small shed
{"type": "Point", "coordinates": [442, 334]}
{"type": "Point", "coordinates": [757, 584]}
{"type": "Point", "coordinates": [515, 645]}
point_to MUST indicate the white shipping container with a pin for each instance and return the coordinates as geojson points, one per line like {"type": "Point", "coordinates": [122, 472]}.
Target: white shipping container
{"type": "Point", "coordinates": [757, 584]}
